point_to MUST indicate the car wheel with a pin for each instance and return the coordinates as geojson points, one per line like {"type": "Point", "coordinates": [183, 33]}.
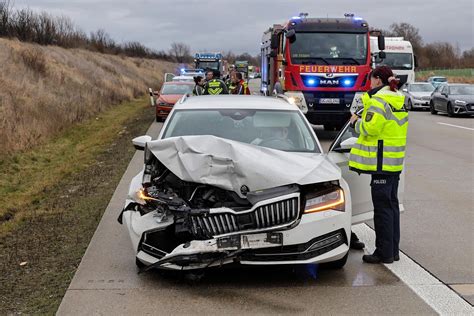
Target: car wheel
{"type": "Point", "coordinates": [338, 264]}
{"type": "Point", "coordinates": [432, 109]}
{"type": "Point", "coordinates": [450, 110]}
{"type": "Point", "coordinates": [410, 106]}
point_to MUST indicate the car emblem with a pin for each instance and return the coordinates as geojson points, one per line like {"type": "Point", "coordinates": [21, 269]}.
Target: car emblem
{"type": "Point", "coordinates": [329, 75]}
{"type": "Point", "coordinates": [244, 190]}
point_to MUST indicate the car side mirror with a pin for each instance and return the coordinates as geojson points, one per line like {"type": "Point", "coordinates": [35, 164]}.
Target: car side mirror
{"type": "Point", "coordinates": [291, 35]}
{"type": "Point", "coordinates": [140, 142]}
{"type": "Point", "coordinates": [348, 143]}
{"type": "Point", "coordinates": [381, 42]}
{"type": "Point", "coordinates": [382, 55]}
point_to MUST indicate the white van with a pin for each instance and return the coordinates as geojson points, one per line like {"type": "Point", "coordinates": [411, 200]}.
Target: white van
{"type": "Point", "coordinates": [399, 57]}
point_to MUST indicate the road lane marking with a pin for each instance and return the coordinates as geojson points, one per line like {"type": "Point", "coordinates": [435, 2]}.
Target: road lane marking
{"type": "Point", "coordinates": [463, 127]}
{"type": "Point", "coordinates": [441, 298]}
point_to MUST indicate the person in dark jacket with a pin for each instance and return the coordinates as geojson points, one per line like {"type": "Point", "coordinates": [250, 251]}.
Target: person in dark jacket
{"type": "Point", "coordinates": [199, 87]}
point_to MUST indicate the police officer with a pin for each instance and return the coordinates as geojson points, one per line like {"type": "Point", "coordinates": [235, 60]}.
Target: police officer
{"type": "Point", "coordinates": [380, 151]}
{"type": "Point", "coordinates": [215, 86]}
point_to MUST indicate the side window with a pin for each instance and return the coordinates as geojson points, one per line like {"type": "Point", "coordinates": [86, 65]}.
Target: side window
{"type": "Point", "coordinates": [445, 90]}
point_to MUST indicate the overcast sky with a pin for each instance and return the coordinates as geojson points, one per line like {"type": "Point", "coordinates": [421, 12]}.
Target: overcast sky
{"type": "Point", "coordinates": [223, 25]}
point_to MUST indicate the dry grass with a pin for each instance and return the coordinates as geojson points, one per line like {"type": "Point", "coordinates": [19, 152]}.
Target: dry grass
{"type": "Point", "coordinates": [44, 89]}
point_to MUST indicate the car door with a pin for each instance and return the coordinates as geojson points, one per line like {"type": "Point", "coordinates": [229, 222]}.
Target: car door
{"type": "Point", "coordinates": [435, 97]}
{"type": "Point", "coordinates": [359, 184]}
{"type": "Point", "coordinates": [169, 77]}
{"type": "Point", "coordinates": [443, 101]}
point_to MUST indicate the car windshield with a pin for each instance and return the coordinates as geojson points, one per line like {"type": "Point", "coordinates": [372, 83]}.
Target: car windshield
{"type": "Point", "coordinates": [329, 49]}
{"type": "Point", "coordinates": [422, 87]}
{"type": "Point", "coordinates": [400, 61]}
{"type": "Point", "coordinates": [441, 79]}
{"type": "Point", "coordinates": [462, 90]}
{"type": "Point", "coordinates": [176, 89]}
{"type": "Point", "coordinates": [277, 129]}
{"type": "Point", "coordinates": [209, 64]}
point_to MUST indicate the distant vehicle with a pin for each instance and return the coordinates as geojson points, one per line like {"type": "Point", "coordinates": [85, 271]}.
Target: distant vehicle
{"type": "Point", "coordinates": [212, 61]}
{"type": "Point", "coordinates": [252, 75]}
{"type": "Point", "coordinates": [192, 72]}
{"type": "Point", "coordinates": [418, 94]}
{"type": "Point", "coordinates": [169, 94]}
{"type": "Point", "coordinates": [437, 80]}
{"type": "Point", "coordinates": [183, 78]}
{"type": "Point", "coordinates": [453, 99]}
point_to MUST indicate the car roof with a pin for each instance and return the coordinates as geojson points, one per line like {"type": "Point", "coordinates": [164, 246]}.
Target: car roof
{"type": "Point", "coordinates": [235, 102]}
{"type": "Point", "coordinates": [179, 83]}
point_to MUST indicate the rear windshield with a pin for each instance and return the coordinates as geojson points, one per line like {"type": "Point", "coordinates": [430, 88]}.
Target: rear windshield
{"type": "Point", "coordinates": [176, 89]}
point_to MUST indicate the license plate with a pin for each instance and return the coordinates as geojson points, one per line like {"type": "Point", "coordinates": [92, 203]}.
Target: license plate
{"type": "Point", "coordinates": [251, 241]}
{"type": "Point", "coordinates": [329, 101]}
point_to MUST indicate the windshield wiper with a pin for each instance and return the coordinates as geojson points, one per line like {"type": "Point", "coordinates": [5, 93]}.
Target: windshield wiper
{"type": "Point", "coordinates": [310, 61]}
{"type": "Point", "coordinates": [351, 59]}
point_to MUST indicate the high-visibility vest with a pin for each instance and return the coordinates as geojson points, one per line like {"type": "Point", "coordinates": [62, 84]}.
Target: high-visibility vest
{"type": "Point", "coordinates": [215, 87]}
{"type": "Point", "coordinates": [382, 131]}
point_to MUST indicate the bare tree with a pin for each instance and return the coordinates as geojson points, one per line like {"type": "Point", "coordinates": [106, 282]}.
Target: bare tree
{"type": "Point", "coordinates": [181, 52]}
{"type": "Point", "coordinates": [408, 32]}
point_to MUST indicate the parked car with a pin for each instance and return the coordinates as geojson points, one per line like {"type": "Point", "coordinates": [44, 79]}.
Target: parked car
{"type": "Point", "coordinates": [183, 78]}
{"type": "Point", "coordinates": [243, 179]}
{"type": "Point", "coordinates": [418, 94]}
{"type": "Point", "coordinates": [437, 80]}
{"type": "Point", "coordinates": [454, 98]}
{"type": "Point", "coordinates": [169, 94]}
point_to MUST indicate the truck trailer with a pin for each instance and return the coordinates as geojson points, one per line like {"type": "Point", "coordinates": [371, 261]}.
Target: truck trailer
{"type": "Point", "coordinates": [320, 64]}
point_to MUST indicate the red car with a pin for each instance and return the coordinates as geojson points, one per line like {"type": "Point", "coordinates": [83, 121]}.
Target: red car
{"type": "Point", "coordinates": [169, 94]}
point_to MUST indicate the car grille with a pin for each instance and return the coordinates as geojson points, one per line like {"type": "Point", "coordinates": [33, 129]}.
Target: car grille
{"type": "Point", "coordinates": [280, 213]}
{"type": "Point", "coordinates": [426, 98]}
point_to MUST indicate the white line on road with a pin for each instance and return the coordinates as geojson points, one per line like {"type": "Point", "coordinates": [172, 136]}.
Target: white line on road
{"type": "Point", "coordinates": [436, 294]}
{"type": "Point", "coordinates": [463, 127]}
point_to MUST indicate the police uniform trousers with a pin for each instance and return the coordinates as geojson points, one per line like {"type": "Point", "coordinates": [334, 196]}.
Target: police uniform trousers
{"type": "Point", "coordinates": [384, 188]}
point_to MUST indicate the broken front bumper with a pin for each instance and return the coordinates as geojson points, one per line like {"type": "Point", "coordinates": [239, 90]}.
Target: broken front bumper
{"type": "Point", "coordinates": [314, 238]}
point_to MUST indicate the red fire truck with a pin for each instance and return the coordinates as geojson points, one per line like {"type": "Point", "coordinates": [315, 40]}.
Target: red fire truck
{"type": "Point", "coordinates": [321, 64]}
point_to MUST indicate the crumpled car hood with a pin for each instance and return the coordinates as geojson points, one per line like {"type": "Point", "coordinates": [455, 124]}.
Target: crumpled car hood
{"type": "Point", "coordinates": [230, 164]}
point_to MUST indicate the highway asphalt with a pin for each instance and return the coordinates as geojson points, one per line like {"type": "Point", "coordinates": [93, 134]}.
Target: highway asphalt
{"type": "Point", "coordinates": [437, 238]}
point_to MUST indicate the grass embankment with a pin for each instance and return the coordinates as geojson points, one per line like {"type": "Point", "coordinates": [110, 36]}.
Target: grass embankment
{"type": "Point", "coordinates": [453, 75]}
{"type": "Point", "coordinates": [52, 200]}
{"type": "Point", "coordinates": [46, 89]}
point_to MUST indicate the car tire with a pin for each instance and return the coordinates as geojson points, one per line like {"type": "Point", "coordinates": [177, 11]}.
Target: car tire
{"type": "Point", "coordinates": [409, 106]}
{"type": "Point", "coordinates": [450, 110]}
{"type": "Point", "coordinates": [432, 109]}
{"type": "Point", "coordinates": [336, 265]}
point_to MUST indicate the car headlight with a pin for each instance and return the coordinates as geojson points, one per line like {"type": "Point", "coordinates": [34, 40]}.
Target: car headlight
{"type": "Point", "coordinates": [141, 196]}
{"type": "Point", "coordinates": [460, 102]}
{"type": "Point", "coordinates": [333, 200]}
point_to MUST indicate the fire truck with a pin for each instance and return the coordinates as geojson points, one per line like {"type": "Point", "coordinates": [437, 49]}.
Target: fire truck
{"type": "Point", "coordinates": [208, 61]}
{"type": "Point", "coordinates": [321, 65]}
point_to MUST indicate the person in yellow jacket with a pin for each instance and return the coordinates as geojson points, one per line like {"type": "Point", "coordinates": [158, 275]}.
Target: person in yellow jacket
{"type": "Point", "coordinates": [380, 151]}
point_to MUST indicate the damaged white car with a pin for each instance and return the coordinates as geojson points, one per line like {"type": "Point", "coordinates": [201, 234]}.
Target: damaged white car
{"type": "Point", "coordinates": [243, 179]}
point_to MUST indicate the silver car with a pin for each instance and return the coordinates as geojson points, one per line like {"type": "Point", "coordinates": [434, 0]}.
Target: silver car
{"type": "Point", "coordinates": [419, 95]}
